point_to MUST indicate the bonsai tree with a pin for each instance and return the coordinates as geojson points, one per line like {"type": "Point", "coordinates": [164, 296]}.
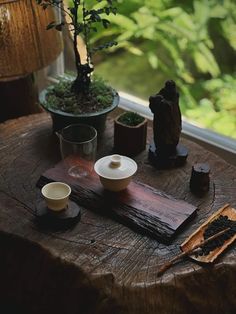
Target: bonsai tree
{"type": "Point", "coordinates": [82, 21]}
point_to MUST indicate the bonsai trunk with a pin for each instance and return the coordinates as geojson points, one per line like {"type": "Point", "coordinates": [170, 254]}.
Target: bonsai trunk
{"type": "Point", "coordinates": [82, 81]}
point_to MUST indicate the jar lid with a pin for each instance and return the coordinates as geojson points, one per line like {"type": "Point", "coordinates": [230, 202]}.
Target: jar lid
{"type": "Point", "coordinates": [115, 167]}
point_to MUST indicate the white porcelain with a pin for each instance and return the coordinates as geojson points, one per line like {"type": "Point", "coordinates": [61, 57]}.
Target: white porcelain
{"type": "Point", "coordinates": [56, 195]}
{"type": "Point", "coordinates": [115, 171]}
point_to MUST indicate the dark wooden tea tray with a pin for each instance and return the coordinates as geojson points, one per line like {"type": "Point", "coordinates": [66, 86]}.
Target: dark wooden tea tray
{"type": "Point", "coordinates": [139, 206]}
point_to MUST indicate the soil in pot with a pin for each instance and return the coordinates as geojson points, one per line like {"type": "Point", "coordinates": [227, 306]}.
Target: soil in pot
{"type": "Point", "coordinates": [90, 108]}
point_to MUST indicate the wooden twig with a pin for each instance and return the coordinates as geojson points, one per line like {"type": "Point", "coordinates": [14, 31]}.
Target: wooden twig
{"type": "Point", "coordinates": [168, 264]}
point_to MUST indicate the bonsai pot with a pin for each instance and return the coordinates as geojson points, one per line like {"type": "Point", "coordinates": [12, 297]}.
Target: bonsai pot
{"type": "Point", "coordinates": [129, 140]}
{"type": "Point", "coordinates": [61, 119]}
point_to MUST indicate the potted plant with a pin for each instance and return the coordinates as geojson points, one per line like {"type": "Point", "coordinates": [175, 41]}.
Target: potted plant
{"type": "Point", "coordinates": [130, 133]}
{"type": "Point", "coordinates": [83, 98]}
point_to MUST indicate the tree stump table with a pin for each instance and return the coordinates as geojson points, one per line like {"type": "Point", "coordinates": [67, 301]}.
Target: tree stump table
{"type": "Point", "coordinates": [101, 266]}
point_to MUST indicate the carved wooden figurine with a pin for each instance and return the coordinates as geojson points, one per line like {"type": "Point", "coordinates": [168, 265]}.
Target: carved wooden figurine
{"type": "Point", "coordinates": [166, 151]}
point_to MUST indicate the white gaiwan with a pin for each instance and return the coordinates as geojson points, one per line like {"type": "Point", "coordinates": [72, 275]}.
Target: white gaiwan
{"type": "Point", "coordinates": [115, 171]}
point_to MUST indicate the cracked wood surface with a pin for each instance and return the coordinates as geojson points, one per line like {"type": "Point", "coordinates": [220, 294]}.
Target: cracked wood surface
{"type": "Point", "coordinates": [101, 266]}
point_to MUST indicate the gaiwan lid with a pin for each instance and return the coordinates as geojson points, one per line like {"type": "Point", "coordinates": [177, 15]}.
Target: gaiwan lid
{"type": "Point", "coordinates": [115, 167]}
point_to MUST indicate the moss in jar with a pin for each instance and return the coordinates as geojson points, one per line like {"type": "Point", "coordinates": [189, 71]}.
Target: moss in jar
{"type": "Point", "coordinates": [131, 118]}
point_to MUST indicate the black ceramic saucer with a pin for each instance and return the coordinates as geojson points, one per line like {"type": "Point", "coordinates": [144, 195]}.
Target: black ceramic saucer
{"type": "Point", "coordinates": [63, 219]}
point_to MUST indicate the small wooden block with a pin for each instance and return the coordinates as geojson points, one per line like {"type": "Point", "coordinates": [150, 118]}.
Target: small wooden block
{"type": "Point", "coordinates": [64, 219]}
{"type": "Point", "coordinates": [200, 181]}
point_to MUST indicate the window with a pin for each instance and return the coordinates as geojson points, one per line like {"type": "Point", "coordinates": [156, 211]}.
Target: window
{"type": "Point", "coordinates": [160, 40]}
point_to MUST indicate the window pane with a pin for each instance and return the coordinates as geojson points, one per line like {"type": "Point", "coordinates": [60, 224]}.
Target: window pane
{"type": "Point", "coordinates": [191, 42]}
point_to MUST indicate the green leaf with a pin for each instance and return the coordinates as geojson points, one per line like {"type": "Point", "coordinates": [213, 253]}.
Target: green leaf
{"type": "Point", "coordinates": [152, 59]}
{"type": "Point", "coordinates": [205, 60]}
{"type": "Point", "coordinates": [105, 23]}
{"type": "Point", "coordinates": [134, 50]}
{"type": "Point", "coordinates": [123, 22]}
{"type": "Point", "coordinates": [201, 12]}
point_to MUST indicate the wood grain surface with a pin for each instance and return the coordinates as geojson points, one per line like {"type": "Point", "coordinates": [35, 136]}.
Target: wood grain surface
{"type": "Point", "coordinates": [101, 266]}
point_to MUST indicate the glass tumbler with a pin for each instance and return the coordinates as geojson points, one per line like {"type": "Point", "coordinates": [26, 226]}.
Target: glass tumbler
{"type": "Point", "coordinates": [78, 146]}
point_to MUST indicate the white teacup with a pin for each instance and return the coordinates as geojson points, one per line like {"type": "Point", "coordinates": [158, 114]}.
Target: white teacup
{"type": "Point", "coordinates": [56, 195]}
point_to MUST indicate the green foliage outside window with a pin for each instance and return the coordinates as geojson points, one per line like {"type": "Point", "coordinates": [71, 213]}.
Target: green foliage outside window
{"type": "Point", "coordinates": [191, 42]}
